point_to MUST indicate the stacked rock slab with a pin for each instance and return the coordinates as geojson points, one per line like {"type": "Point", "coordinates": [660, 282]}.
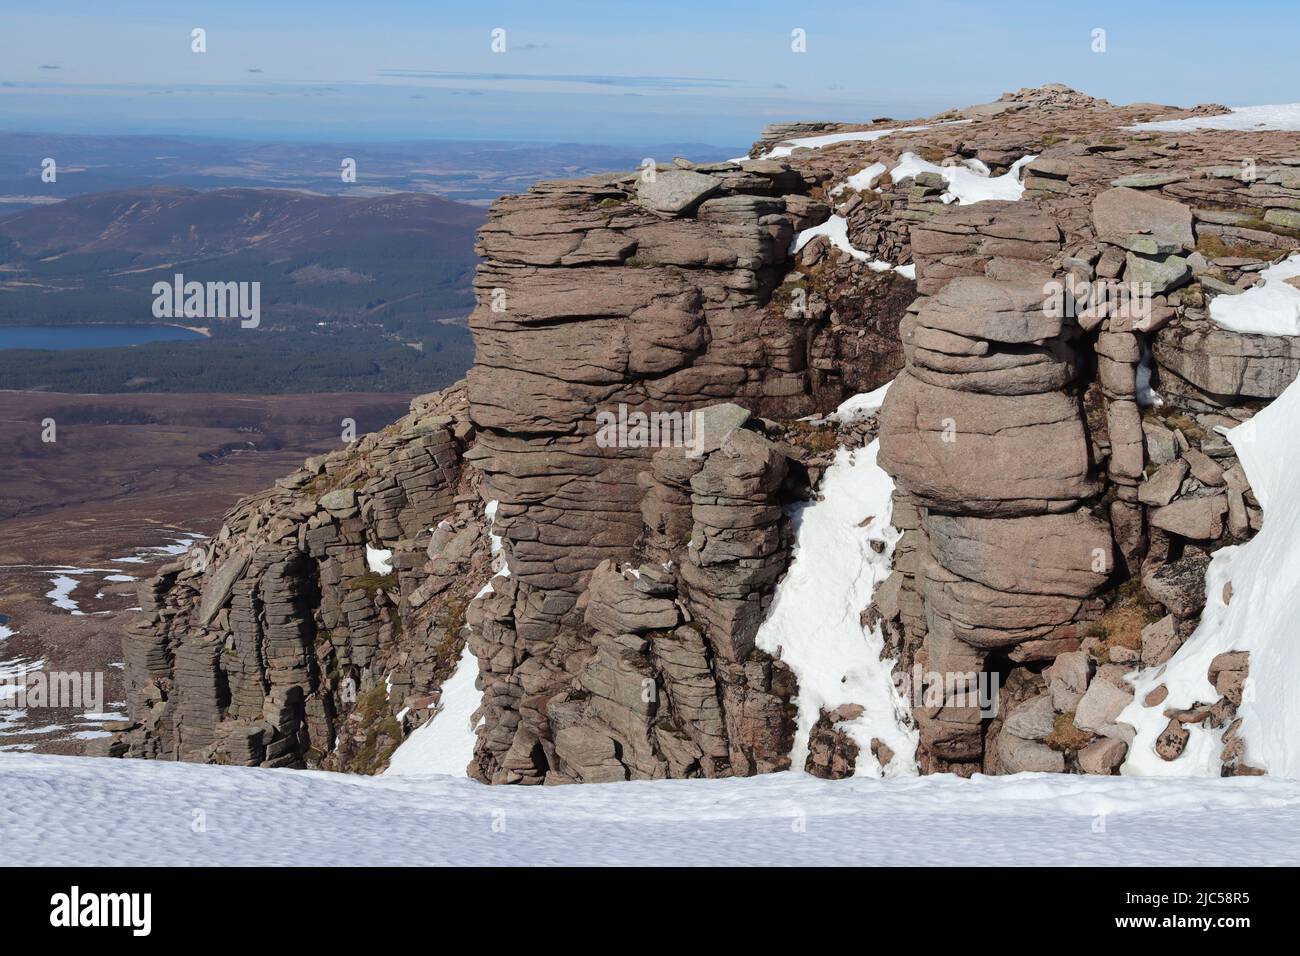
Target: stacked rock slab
{"type": "Point", "coordinates": [619, 295]}
{"type": "Point", "coordinates": [661, 678]}
{"type": "Point", "coordinates": [279, 644]}
{"type": "Point", "coordinates": [983, 433]}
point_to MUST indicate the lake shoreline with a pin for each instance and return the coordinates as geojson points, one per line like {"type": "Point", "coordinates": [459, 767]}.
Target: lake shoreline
{"type": "Point", "coordinates": [89, 335]}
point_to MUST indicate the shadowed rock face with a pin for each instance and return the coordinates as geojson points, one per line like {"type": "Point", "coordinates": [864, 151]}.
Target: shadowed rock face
{"type": "Point", "coordinates": [278, 645]}
{"type": "Point", "coordinates": [1055, 528]}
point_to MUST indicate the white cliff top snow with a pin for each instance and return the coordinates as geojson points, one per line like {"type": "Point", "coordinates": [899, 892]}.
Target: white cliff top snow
{"type": "Point", "coordinates": [815, 625]}
{"type": "Point", "coordinates": [830, 139]}
{"type": "Point", "coordinates": [140, 812]}
{"type": "Point", "coordinates": [1260, 618]}
{"type": "Point", "coordinates": [1281, 116]}
{"type": "Point", "coordinates": [967, 184]}
{"type": "Point", "coordinates": [1270, 308]}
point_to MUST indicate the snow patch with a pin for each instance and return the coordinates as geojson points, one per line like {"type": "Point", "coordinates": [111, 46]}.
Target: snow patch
{"type": "Point", "coordinates": [830, 139]}
{"type": "Point", "coordinates": [815, 625]}
{"type": "Point", "coordinates": [379, 560]}
{"type": "Point", "coordinates": [1265, 604]}
{"type": "Point", "coordinates": [445, 744]}
{"type": "Point", "coordinates": [966, 184]}
{"type": "Point", "coordinates": [60, 597]}
{"type": "Point", "coordinates": [860, 407]}
{"type": "Point", "coordinates": [1270, 308]}
{"type": "Point", "coordinates": [152, 553]}
{"type": "Point", "coordinates": [863, 179]}
{"type": "Point", "coordinates": [858, 136]}
{"type": "Point", "coordinates": [1280, 116]}
{"type": "Point", "coordinates": [836, 229]}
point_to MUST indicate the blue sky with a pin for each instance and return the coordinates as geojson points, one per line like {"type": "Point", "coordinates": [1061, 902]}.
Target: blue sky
{"type": "Point", "coordinates": [615, 72]}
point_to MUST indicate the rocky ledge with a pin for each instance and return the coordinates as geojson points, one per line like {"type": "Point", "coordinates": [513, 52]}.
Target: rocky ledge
{"type": "Point", "coordinates": [1057, 449]}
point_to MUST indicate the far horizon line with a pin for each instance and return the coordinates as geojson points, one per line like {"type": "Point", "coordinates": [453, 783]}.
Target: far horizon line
{"type": "Point", "coordinates": [371, 140]}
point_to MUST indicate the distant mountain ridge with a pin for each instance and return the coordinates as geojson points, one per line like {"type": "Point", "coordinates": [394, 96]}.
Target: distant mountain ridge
{"type": "Point", "coordinates": [165, 221]}
{"type": "Point", "coordinates": [469, 171]}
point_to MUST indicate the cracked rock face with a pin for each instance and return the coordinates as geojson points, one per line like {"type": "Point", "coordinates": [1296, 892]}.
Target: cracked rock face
{"type": "Point", "coordinates": [278, 645]}
{"type": "Point", "coordinates": [1055, 521]}
{"type": "Point", "coordinates": [633, 311]}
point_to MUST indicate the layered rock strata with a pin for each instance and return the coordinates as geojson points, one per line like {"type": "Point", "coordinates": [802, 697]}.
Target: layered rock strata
{"type": "Point", "coordinates": [322, 608]}
{"type": "Point", "coordinates": [1057, 516]}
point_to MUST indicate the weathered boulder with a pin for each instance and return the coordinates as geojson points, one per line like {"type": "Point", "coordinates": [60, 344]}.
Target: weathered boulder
{"type": "Point", "coordinates": [1180, 584]}
{"type": "Point", "coordinates": [1200, 519]}
{"type": "Point", "coordinates": [1099, 709]}
{"type": "Point", "coordinates": [1040, 554]}
{"type": "Point", "coordinates": [617, 606]}
{"type": "Point", "coordinates": [1159, 641]}
{"type": "Point", "coordinates": [1033, 720]}
{"type": "Point", "coordinates": [675, 191]}
{"type": "Point", "coordinates": [1017, 755]}
{"type": "Point", "coordinates": [1103, 756]}
{"type": "Point", "coordinates": [1067, 679]}
{"type": "Point", "coordinates": [1161, 487]}
{"type": "Point", "coordinates": [973, 453]}
{"type": "Point", "coordinates": [1123, 211]}
{"type": "Point", "coordinates": [979, 308]}
{"type": "Point", "coordinates": [1228, 365]}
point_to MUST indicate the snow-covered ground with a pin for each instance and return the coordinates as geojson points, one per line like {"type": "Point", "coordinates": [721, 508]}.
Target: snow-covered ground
{"type": "Point", "coordinates": [93, 811]}
{"type": "Point", "coordinates": [445, 744]}
{"type": "Point", "coordinates": [152, 553]}
{"type": "Point", "coordinates": [863, 179]}
{"type": "Point", "coordinates": [379, 560]}
{"type": "Point", "coordinates": [60, 594]}
{"type": "Point", "coordinates": [830, 139]}
{"type": "Point", "coordinates": [1270, 308]}
{"type": "Point", "coordinates": [1260, 617]}
{"type": "Point", "coordinates": [815, 624]}
{"type": "Point", "coordinates": [1281, 116]}
{"type": "Point", "coordinates": [966, 184]}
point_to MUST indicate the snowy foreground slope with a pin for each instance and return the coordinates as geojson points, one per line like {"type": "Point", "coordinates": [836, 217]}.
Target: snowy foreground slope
{"type": "Point", "coordinates": [90, 811]}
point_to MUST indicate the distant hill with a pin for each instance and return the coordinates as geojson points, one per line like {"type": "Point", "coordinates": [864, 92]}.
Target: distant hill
{"type": "Point", "coordinates": [162, 222]}
{"type": "Point", "coordinates": [354, 278]}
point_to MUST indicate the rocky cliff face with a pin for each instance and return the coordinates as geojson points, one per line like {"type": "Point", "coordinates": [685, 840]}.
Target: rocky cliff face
{"type": "Point", "coordinates": [654, 351]}
{"type": "Point", "coordinates": [301, 629]}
